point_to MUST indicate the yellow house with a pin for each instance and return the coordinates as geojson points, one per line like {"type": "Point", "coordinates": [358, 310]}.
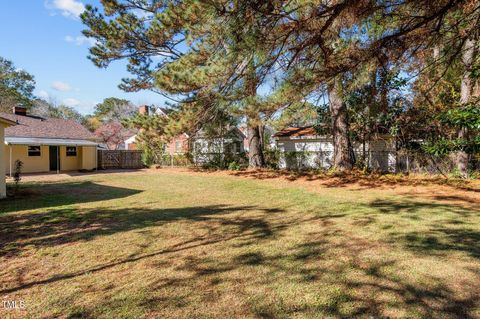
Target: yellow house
{"type": "Point", "coordinates": [3, 124]}
{"type": "Point", "coordinates": [47, 144]}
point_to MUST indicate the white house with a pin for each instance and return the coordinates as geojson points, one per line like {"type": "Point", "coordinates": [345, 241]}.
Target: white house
{"type": "Point", "coordinates": [206, 148]}
{"type": "Point", "coordinates": [302, 147]}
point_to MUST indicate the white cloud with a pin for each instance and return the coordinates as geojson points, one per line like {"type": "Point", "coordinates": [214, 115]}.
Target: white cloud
{"type": "Point", "coordinates": [68, 8]}
{"type": "Point", "coordinates": [80, 40]}
{"type": "Point", "coordinates": [71, 102]}
{"type": "Point", "coordinates": [43, 94]}
{"type": "Point", "coordinates": [61, 86]}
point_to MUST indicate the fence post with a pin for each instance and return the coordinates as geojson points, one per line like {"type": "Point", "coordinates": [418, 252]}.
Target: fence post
{"type": "Point", "coordinates": [171, 160]}
{"type": "Point", "coordinates": [99, 158]}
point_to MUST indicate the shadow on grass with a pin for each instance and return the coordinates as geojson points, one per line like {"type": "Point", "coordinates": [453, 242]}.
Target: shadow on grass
{"type": "Point", "coordinates": [44, 195]}
{"type": "Point", "coordinates": [327, 272]}
{"type": "Point", "coordinates": [61, 227]}
{"type": "Point", "coordinates": [439, 241]}
{"type": "Point", "coordinates": [371, 180]}
{"type": "Point", "coordinates": [68, 225]}
{"type": "Point", "coordinates": [413, 208]}
{"type": "Point", "coordinates": [441, 236]}
{"type": "Point", "coordinates": [345, 285]}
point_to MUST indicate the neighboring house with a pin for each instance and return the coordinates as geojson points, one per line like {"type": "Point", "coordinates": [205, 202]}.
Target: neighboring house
{"type": "Point", "coordinates": [131, 143]}
{"type": "Point", "coordinates": [112, 135]}
{"type": "Point", "coordinates": [302, 147]}
{"type": "Point", "coordinates": [206, 148]}
{"type": "Point", "coordinates": [4, 123]}
{"type": "Point", "coordinates": [47, 144]}
{"type": "Point", "coordinates": [178, 145]}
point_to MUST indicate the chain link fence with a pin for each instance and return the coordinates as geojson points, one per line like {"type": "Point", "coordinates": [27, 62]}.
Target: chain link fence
{"type": "Point", "coordinates": [384, 161]}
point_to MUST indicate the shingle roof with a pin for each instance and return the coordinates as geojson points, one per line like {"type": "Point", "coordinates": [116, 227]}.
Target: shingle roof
{"type": "Point", "coordinates": [296, 131]}
{"type": "Point", "coordinates": [33, 126]}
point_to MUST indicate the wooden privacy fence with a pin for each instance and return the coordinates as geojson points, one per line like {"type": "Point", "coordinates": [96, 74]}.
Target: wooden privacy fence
{"type": "Point", "coordinates": [119, 159]}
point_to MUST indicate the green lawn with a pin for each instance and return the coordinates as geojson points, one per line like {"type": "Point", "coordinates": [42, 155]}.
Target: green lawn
{"type": "Point", "coordinates": [180, 245]}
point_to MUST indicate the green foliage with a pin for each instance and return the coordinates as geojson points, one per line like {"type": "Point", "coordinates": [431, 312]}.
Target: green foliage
{"type": "Point", "coordinates": [17, 172]}
{"type": "Point", "coordinates": [114, 109]}
{"type": "Point", "coordinates": [322, 125]}
{"type": "Point", "coordinates": [233, 166]}
{"type": "Point", "coordinates": [214, 57]}
{"type": "Point", "coordinates": [272, 158]}
{"type": "Point", "coordinates": [445, 146]}
{"type": "Point", "coordinates": [47, 109]}
{"type": "Point", "coordinates": [16, 86]}
{"type": "Point", "coordinates": [149, 157]}
{"type": "Point", "coordinates": [151, 137]}
{"type": "Point", "coordinates": [467, 116]}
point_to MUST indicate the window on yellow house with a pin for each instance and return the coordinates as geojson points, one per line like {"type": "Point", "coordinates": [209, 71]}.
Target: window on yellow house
{"type": "Point", "coordinates": [34, 151]}
{"type": "Point", "coordinates": [71, 151]}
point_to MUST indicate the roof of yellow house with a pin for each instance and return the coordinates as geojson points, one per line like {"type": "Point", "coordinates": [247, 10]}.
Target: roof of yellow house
{"type": "Point", "coordinates": [38, 127]}
{"type": "Point", "coordinates": [7, 121]}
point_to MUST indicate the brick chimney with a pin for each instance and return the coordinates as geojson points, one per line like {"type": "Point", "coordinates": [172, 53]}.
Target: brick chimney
{"type": "Point", "coordinates": [20, 110]}
{"type": "Point", "coordinates": [143, 109]}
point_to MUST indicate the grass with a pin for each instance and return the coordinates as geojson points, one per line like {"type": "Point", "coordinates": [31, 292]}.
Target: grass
{"type": "Point", "coordinates": [198, 245]}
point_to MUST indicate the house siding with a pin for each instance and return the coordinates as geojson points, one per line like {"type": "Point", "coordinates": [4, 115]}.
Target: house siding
{"type": "Point", "coordinates": [31, 164]}
{"type": "Point", "coordinates": [88, 160]}
{"type": "Point", "coordinates": [85, 159]}
{"type": "Point", "coordinates": [3, 192]}
{"type": "Point", "coordinates": [70, 163]}
{"type": "Point", "coordinates": [308, 152]}
{"type": "Point", "coordinates": [171, 148]}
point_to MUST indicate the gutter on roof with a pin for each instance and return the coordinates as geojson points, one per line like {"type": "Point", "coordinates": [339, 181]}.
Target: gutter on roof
{"type": "Point", "coordinates": [7, 121]}
{"type": "Point", "coordinates": [47, 141]}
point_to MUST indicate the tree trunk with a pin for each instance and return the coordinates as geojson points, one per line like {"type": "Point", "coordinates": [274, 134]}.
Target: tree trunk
{"type": "Point", "coordinates": [255, 150]}
{"type": "Point", "coordinates": [254, 124]}
{"type": "Point", "coordinates": [461, 157]}
{"type": "Point", "coordinates": [383, 103]}
{"type": "Point", "coordinates": [342, 148]}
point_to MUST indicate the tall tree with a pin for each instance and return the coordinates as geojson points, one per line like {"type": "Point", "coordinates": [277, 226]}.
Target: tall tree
{"type": "Point", "coordinates": [16, 86]}
{"type": "Point", "coordinates": [466, 89]}
{"type": "Point", "coordinates": [218, 55]}
{"type": "Point", "coordinates": [50, 109]}
{"type": "Point", "coordinates": [221, 68]}
{"type": "Point", "coordinates": [114, 109]}
{"type": "Point", "coordinates": [343, 157]}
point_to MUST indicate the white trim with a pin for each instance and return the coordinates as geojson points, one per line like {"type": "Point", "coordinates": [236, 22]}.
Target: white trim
{"type": "Point", "coordinates": [47, 141]}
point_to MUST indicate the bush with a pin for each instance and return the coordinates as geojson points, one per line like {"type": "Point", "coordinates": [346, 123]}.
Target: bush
{"type": "Point", "coordinates": [233, 166]}
{"type": "Point", "coordinates": [17, 172]}
{"type": "Point", "coordinates": [147, 157]}
{"type": "Point", "coordinates": [272, 158]}
{"type": "Point", "coordinates": [220, 161]}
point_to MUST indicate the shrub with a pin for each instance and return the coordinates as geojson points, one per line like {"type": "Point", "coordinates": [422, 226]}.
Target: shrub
{"type": "Point", "coordinates": [233, 166]}
{"type": "Point", "coordinates": [17, 172]}
{"type": "Point", "coordinates": [272, 158]}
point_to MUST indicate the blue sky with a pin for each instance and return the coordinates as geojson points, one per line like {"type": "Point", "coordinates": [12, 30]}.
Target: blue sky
{"type": "Point", "coordinates": [44, 38]}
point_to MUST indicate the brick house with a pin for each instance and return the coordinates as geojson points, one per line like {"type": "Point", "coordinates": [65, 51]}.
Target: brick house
{"type": "Point", "coordinates": [178, 145]}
